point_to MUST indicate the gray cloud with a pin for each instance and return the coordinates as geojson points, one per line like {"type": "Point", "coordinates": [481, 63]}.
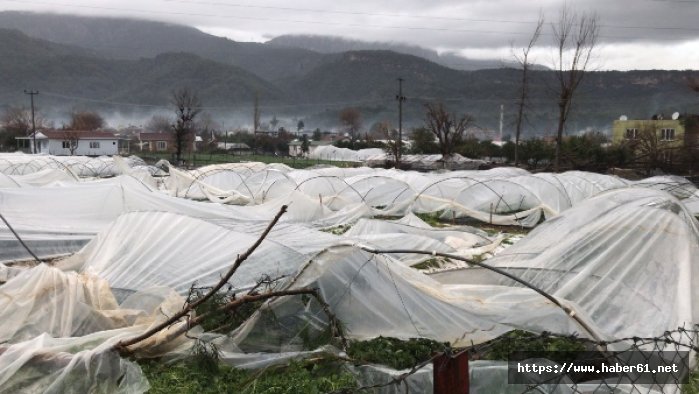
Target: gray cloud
{"type": "Point", "coordinates": [482, 28]}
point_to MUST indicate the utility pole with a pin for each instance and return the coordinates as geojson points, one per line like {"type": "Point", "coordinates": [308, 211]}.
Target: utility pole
{"type": "Point", "coordinates": [400, 99]}
{"type": "Point", "coordinates": [31, 94]}
{"type": "Point", "coordinates": [502, 115]}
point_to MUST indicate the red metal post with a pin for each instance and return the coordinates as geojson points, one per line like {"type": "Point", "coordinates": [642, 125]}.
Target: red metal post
{"type": "Point", "coordinates": [451, 374]}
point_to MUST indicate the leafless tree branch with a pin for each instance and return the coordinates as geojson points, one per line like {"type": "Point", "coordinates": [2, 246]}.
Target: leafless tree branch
{"type": "Point", "coordinates": [123, 345]}
{"type": "Point", "coordinates": [576, 38]}
{"type": "Point", "coordinates": [524, 62]}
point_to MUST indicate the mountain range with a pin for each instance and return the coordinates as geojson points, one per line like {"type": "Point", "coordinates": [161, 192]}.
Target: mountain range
{"type": "Point", "coordinates": [131, 66]}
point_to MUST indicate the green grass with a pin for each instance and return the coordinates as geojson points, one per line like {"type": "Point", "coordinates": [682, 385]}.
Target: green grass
{"type": "Point", "coordinates": [692, 387]}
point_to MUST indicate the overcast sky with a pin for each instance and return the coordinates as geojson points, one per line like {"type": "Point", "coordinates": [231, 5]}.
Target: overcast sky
{"type": "Point", "coordinates": [635, 34]}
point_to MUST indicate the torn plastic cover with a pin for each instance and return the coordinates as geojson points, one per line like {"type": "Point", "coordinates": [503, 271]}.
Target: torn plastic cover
{"type": "Point", "coordinates": [627, 258]}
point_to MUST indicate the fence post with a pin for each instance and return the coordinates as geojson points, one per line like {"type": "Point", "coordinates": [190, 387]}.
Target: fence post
{"type": "Point", "coordinates": [450, 374]}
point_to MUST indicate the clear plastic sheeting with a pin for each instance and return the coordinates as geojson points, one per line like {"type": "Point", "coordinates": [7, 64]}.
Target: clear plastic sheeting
{"type": "Point", "coordinates": [58, 328]}
{"type": "Point", "coordinates": [622, 255]}
{"type": "Point", "coordinates": [411, 305]}
{"type": "Point", "coordinates": [333, 153]}
{"type": "Point", "coordinates": [411, 230]}
{"type": "Point", "coordinates": [692, 204]}
{"type": "Point", "coordinates": [81, 166]}
{"type": "Point", "coordinates": [67, 365]}
{"type": "Point", "coordinates": [145, 249]}
{"type": "Point", "coordinates": [68, 305]}
{"type": "Point", "coordinates": [503, 196]}
{"type": "Point", "coordinates": [484, 377]}
{"type": "Point", "coordinates": [61, 219]}
{"type": "Point", "coordinates": [379, 157]}
{"type": "Point", "coordinates": [627, 258]}
{"type": "Point", "coordinates": [420, 381]}
{"type": "Point", "coordinates": [44, 177]}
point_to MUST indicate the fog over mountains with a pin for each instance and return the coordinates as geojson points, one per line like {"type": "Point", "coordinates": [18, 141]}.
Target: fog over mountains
{"type": "Point", "coordinates": [129, 67]}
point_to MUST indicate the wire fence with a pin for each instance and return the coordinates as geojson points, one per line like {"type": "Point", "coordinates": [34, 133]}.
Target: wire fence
{"type": "Point", "coordinates": [564, 364]}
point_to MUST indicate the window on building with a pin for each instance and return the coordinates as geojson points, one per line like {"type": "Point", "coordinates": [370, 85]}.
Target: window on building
{"type": "Point", "coordinates": [667, 134]}
{"type": "Point", "coordinates": [66, 144]}
{"type": "Point", "coordinates": [631, 134]}
{"type": "Point", "coordinates": [161, 145]}
{"type": "Point", "coordinates": [94, 144]}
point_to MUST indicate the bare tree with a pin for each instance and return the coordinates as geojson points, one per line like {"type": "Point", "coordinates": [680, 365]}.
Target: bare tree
{"type": "Point", "coordinates": [274, 122]}
{"type": "Point", "coordinates": [693, 83]}
{"type": "Point", "coordinates": [575, 37]}
{"type": "Point", "coordinates": [207, 126]}
{"type": "Point", "coordinates": [393, 145]}
{"type": "Point", "coordinates": [650, 149]}
{"type": "Point", "coordinates": [16, 120]}
{"type": "Point", "coordinates": [158, 124]}
{"type": "Point", "coordinates": [187, 106]}
{"type": "Point", "coordinates": [256, 114]}
{"type": "Point", "coordinates": [647, 148]}
{"type": "Point", "coordinates": [86, 120]}
{"type": "Point", "coordinates": [351, 118]}
{"type": "Point", "coordinates": [448, 129]}
{"type": "Point", "coordinates": [524, 62]}
{"type": "Point", "coordinates": [71, 138]}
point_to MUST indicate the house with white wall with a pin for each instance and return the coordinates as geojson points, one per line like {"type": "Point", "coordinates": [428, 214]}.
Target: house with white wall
{"type": "Point", "coordinates": [72, 143]}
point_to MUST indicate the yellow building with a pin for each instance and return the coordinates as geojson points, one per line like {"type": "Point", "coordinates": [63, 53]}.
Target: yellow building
{"type": "Point", "coordinates": [669, 132]}
{"type": "Point", "coordinates": [661, 143]}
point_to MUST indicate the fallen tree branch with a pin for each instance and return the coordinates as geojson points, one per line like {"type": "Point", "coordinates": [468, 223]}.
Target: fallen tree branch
{"type": "Point", "coordinates": [122, 345]}
{"type": "Point", "coordinates": [335, 328]}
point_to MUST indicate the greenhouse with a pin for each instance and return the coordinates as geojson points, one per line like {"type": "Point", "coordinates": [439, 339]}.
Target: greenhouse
{"type": "Point", "coordinates": [99, 251]}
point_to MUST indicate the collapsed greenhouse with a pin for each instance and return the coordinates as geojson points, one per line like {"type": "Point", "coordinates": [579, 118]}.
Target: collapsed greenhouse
{"type": "Point", "coordinates": [96, 251]}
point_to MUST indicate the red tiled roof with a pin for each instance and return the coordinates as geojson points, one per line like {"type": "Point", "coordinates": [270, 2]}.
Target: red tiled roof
{"type": "Point", "coordinates": [82, 135]}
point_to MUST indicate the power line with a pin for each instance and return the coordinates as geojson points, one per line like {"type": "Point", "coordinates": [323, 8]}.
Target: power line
{"type": "Point", "coordinates": [483, 20]}
{"type": "Point", "coordinates": [335, 23]}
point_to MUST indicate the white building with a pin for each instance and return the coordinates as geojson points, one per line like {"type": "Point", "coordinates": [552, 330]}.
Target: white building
{"type": "Point", "coordinates": [71, 143]}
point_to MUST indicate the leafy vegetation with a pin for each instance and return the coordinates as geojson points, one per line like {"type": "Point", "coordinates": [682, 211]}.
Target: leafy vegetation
{"type": "Point", "coordinates": [430, 263]}
{"type": "Point", "coordinates": [523, 341]}
{"type": "Point", "coordinates": [433, 219]}
{"type": "Point", "coordinates": [297, 378]}
{"type": "Point", "coordinates": [337, 230]}
{"type": "Point", "coordinates": [395, 353]}
{"type": "Point", "coordinates": [692, 386]}
{"type": "Point", "coordinates": [217, 321]}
